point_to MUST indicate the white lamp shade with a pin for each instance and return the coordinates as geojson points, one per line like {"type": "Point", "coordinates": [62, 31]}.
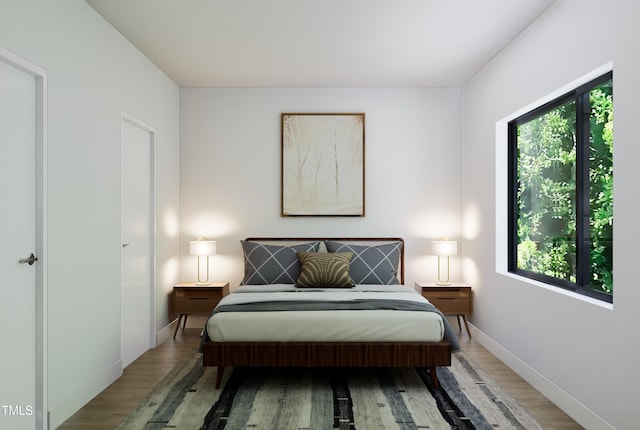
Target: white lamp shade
{"type": "Point", "coordinates": [444, 247]}
{"type": "Point", "coordinates": [202, 247]}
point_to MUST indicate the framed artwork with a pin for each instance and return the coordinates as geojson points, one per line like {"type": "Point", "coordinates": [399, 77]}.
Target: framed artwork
{"type": "Point", "coordinates": [323, 164]}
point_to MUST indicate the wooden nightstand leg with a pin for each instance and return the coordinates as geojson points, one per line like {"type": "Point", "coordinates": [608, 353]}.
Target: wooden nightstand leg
{"type": "Point", "coordinates": [459, 326]}
{"type": "Point", "coordinates": [184, 322]}
{"type": "Point", "coordinates": [177, 326]}
{"type": "Point", "coordinates": [466, 324]}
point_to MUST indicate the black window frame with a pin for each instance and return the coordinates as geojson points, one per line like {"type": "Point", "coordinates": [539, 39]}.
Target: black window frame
{"type": "Point", "coordinates": [582, 107]}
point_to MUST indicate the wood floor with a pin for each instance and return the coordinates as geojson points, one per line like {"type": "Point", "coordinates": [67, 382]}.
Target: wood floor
{"type": "Point", "coordinates": [111, 406]}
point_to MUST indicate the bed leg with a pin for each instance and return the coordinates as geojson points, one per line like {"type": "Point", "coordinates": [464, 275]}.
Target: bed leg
{"type": "Point", "coordinates": [219, 376]}
{"type": "Point", "coordinates": [434, 377]}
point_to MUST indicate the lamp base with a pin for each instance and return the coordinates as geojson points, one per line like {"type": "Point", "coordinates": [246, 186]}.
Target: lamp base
{"type": "Point", "coordinates": [443, 283]}
{"type": "Point", "coordinates": [203, 283]}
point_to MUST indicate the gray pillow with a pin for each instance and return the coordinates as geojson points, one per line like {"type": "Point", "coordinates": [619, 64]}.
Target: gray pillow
{"type": "Point", "coordinates": [371, 264]}
{"type": "Point", "coordinates": [272, 264]}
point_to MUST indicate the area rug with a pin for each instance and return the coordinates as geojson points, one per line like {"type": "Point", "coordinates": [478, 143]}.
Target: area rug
{"type": "Point", "coordinates": [325, 398]}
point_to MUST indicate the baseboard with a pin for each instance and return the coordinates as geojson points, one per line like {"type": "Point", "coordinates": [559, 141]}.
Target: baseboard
{"type": "Point", "coordinates": [571, 406]}
{"type": "Point", "coordinates": [166, 332]}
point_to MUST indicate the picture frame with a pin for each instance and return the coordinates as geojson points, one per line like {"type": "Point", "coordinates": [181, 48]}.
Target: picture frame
{"type": "Point", "coordinates": [323, 168]}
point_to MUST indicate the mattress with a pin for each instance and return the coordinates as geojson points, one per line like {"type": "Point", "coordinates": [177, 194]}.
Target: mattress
{"type": "Point", "coordinates": [346, 324]}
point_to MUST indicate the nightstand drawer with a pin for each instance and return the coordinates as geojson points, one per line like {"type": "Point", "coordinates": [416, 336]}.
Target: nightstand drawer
{"type": "Point", "coordinates": [189, 301]}
{"type": "Point", "coordinates": [450, 299]}
{"type": "Point", "coordinates": [450, 293]}
{"type": "Point", "coordinates": [449, 304]}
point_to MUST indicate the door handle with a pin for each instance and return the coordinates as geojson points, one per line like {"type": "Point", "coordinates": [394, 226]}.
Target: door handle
{"type": "Point", "coordinates": [124, 245]}
{"type": "Point", "coordinates": [32, 259]}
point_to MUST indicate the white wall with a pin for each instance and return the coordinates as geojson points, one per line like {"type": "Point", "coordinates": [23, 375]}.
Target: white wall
{"type": "Point", "coordinates": [582, 355]}
{"type": "Point", "coordinates": [230, 170]}
{"type": "Point", "coordinates": [94, 74]}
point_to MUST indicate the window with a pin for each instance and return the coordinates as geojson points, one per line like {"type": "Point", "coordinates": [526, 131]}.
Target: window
{"type": "Point", "coordinates": [561, 191]}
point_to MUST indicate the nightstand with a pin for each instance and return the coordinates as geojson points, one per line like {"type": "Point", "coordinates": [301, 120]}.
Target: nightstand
{"type": "Point", "coordinates": [452, 299]}
{"type": "Point", "coordinates": [190, 298]}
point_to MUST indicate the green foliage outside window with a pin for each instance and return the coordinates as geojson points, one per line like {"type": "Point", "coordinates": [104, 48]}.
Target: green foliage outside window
{"type": "Point", "coordinates": [601, 191]}
{"type": "Point", "coordinates": [547, 190]}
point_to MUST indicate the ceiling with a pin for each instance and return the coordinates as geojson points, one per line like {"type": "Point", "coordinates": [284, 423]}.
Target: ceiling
{"type": "Point", "coordinates": [320, 43]}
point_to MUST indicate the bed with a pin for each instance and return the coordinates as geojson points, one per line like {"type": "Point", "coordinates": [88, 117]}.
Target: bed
{"type": "Point", "coordinates": [325, 302]}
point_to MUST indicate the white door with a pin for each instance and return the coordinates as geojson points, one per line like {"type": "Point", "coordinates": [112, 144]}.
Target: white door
{"type": "Point", "coordinates": [18, 134]}
{"type": "Point", "coordinates": [137, 240]}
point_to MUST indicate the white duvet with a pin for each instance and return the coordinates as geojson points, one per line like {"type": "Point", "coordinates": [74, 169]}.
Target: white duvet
{"type": "Point", "coordinates": [325, 325]}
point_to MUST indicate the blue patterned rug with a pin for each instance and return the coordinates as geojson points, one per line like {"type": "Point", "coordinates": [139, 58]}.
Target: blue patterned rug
{"type": "Point", "coordinates": [324, 398]}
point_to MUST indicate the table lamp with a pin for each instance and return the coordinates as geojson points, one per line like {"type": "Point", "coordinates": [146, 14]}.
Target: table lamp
{"type": "Point", "coordinates": [202, 247]}
{"type": "Point", "coordinates": [444, 247]}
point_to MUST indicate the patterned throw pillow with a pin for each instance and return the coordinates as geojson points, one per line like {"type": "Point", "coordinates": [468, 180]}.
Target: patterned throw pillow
{"type": "Point", "coordinates": [371, 264]}
{"type": "Point", "coordinates": [272, 264]}
{"type": "Point", "coordinates": [324, 270]}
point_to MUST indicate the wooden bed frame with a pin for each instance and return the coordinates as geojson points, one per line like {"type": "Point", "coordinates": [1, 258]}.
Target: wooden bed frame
{"type": "Point", "coordinates": [328, 354]}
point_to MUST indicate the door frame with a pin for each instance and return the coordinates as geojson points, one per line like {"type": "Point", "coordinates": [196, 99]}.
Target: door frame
{"type": "Point", "coordinates": [40, 75]}
{"type": "Point", "coordinates": [126, 117]}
